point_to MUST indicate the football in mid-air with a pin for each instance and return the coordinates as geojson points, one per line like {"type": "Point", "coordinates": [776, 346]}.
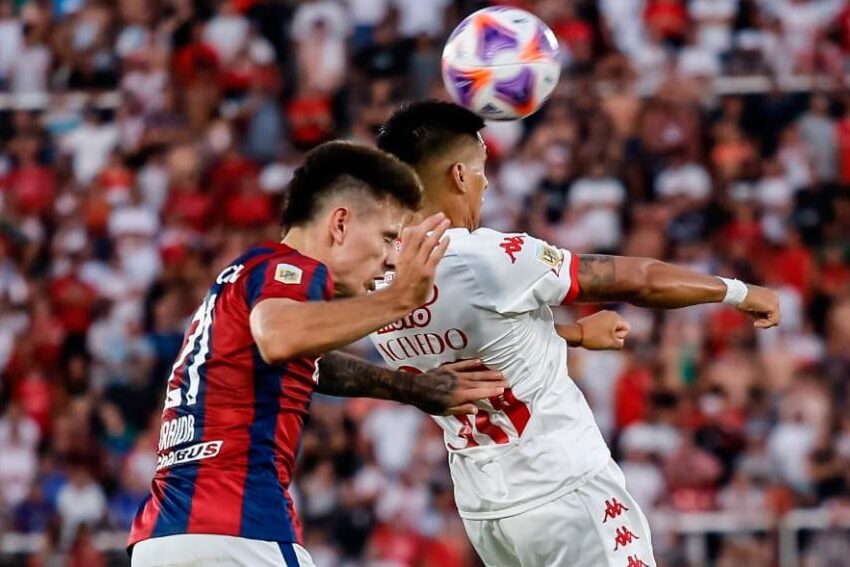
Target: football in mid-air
{"type": "Point", "coordinates": [501, 63]}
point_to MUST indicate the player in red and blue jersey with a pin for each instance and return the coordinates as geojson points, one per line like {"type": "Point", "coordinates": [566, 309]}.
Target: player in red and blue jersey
{"type": "Point", "coordinates": [240, 388]}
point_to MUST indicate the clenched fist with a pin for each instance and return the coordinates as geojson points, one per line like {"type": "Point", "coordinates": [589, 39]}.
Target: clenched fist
{"type": "Point", "coordinates": [604, 330]}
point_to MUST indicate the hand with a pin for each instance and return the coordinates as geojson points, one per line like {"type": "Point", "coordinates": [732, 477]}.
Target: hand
{"type": "Point", "coordinates": [604, 330]}
{"type": "Point", "coordinates": [762, 304]}
{"type": "Point", "coordinates": [422, 248]}
{"type": "Point", "coordinates": [453, 388]}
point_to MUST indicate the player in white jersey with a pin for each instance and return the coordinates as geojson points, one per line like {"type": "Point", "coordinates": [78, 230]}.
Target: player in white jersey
{"type": "Point", "coordinates": [534, 480]}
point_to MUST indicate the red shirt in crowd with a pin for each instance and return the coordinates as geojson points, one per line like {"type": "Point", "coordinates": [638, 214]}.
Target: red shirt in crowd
{"type": "Point", "coordinates": [310, 119]}
{"type": "Point", "coordinates": [395, 544]}
{"type": "Point", "coordinates": [667, 17]}
{"type": "Point", "coordinates": [249, 210]}
{"type": "Point", "coordinates": [73, 300]}
{"type": "Point", "coordinates": [192, 61]}
{"type": "Point", "coordinates": [792, 265]}
{"type": "Point", "coordinates": [192, 206]}
{"type": "Point", "coordinates": [34, 187]}
{"type": "Point", "coordinates": [33, 393]}
{"type": "Point", "coordinates": [843, 128]}
{"type": "Point", "coordinates": [230, 172]}
{"type": "Point", "coordinates": [630, 395]}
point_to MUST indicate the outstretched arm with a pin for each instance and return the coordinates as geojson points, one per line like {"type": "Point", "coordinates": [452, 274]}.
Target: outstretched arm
{"type": "Point", "coordinates": [450, 388]}
{"type": "Point", "coordinates": [651, 283]}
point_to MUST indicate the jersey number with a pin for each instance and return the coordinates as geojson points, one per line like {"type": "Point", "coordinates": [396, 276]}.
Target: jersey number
{"type": "Point", "coordinates": [199, 339]}
{"type": "Point", "coordinates": [507, 404]}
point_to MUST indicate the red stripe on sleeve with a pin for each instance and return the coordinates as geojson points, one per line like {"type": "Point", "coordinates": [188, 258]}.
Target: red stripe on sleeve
{"type": "Point", "coordinates": [574, 287]}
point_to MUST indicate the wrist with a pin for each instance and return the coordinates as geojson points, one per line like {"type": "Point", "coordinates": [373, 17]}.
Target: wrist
{"type": "Point", "coordinates": [736, 291]}
{"type": "Point", "coordinates": [397, 303]}
{"type": "Point", "coordinates": [580, 332]}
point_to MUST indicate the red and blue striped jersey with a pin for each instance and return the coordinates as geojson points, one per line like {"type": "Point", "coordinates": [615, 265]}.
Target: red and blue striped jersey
{"type": "Point", "coordinates": [232, 423]}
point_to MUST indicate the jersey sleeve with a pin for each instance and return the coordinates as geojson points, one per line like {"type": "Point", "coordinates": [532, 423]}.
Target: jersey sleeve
{"type": "Point", "coordinates": [518, 273]}
{"type": "Point", "coordinates": [288, 279]}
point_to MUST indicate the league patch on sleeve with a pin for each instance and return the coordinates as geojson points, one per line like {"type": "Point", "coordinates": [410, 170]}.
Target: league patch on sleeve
{"type": "Point", "coordinates": [288, 274]}
{"type": "Point", "coordinates": [551, 256]}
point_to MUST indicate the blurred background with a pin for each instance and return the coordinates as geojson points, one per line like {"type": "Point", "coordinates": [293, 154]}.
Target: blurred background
{"type": "Point", "coordinates": [145, 143]}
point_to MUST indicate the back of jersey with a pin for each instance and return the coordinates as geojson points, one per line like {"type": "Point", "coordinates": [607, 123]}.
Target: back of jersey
{"type": "Point", "coordinates": [492, 301]}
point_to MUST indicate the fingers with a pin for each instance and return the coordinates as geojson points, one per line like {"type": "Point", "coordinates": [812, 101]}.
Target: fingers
{"type": "Point", "coordinates": [438, 253]}
{"type": "Point", "coordinates": [484, 377]}
{"type": "Point", "coordinates": [462, 409]}
{"type": "Point", "coordinates": [469, 364]}
{"type": "Point", "coordinates": [475, 394]}
{"type": "Point", "coordinates": [474, 371]}
{"type": "Point", "coordinates": [430, 223]}
{"type": "Point", "coordinates": [766, 320]}
{"type": "Point", "coordinates": [412, 236]}
{"type": "Point", "coordinates": [432, 242]}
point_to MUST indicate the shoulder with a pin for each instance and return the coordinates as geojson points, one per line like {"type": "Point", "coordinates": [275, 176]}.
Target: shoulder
{"type": "Point", "coordinates": [497, 249]}
{"type": "Point", "coordinates": [272, 272]}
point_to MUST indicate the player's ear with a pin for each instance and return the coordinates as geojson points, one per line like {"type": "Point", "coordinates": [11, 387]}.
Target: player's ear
{"type": "Point", "coordinates": [339, 221]}
{"type": "Point", "coordinates": [460, 176]}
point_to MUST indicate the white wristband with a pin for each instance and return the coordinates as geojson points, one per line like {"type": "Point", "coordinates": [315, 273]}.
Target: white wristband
{"type": "Point", "coordinates": [736, 291]}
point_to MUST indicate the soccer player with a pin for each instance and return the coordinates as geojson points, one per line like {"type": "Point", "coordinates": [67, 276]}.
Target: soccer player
{"type": "Point", "coordinates": [534, 480]}
{"type": "Point", "coordinates": [240, 387]}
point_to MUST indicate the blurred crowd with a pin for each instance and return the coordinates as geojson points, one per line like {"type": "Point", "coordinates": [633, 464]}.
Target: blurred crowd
{"type": "Point", "coordinates": [145, 143]}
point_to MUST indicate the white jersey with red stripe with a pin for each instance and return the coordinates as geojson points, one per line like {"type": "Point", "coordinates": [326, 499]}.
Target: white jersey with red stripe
{"type": "Point", "coordinates": [492, 300]}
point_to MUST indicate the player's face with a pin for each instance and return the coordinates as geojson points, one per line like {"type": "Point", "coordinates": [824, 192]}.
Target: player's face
{"type": "Point", "coordinates": [369, 249]}
{"type": "Point", "coordinates": [478, 183]}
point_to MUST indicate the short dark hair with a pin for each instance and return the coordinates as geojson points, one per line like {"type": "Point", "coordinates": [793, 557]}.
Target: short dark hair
{"type": "Point", "coordinates": [337, 166]}
{"type": "Point", "coordinates": [418, 130]}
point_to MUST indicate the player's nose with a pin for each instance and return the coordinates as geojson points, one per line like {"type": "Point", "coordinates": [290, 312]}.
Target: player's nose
{"type": "Point", "coordinates": [392, 255]}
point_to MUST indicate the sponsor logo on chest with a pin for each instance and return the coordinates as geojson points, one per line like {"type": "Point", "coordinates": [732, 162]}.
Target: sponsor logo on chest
{"type": "Point", "coordinates": [396, 344]}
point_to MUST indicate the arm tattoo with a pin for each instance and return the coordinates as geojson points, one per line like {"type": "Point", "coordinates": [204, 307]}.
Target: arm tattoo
{"type": "Point", "coordinates": [349, 377]}
{"type": "Point", "coordinates": [596, 274]}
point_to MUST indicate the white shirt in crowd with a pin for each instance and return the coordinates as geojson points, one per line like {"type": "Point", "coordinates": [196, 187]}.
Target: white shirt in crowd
{"type": "Point", "coordinates": [788, 447]}
{"type": "Point", "coordinates": [687, 180]}
{"type": "Point", "coordinates": [602, 199]}
{"type": "Point", "coordinates": [308, 14]}
{"type": "Point", "coordinates": [714, 19]}
{"type": "Point", "coordinates": [90, 146]}
{"type": "Point", "coordinates": [29, 70]}
{"type": "Point", "coordinates": [393, 452]}
{"type": "Point", "coordinates": [18, 463]}
{"type": "Point", "coordinates": [417, 17]}
{"type": "Point", "coordinates": [368, 12]}
{"type": "Point", "coordinates": [492, 301]}
{"type": "Point", "coordinates": [228, 34]}
{"type": "Point", "coordinates": [80, 504]}
{"type": "Point", "coordinates": [11, 39]}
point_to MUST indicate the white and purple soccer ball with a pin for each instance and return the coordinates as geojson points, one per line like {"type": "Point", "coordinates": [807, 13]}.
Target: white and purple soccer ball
{"type": "Point", "coordinates": [501, 63]}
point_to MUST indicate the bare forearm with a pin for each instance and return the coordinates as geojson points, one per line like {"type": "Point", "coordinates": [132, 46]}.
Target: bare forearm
{"type": "Point", "coordinates": [321, 326]}
{"type": "Point", "coordinates": [350, 377]}
{"type": "Point", "coordinates": [571, 333]}
{"type": "Point", "coordinates": [645, 282]}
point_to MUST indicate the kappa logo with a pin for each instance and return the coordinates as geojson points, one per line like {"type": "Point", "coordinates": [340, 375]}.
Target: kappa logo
{"type": "Point", "coordinates": [288, 274]}
{"type": "Point", "coordinates": [613, 508]}
{"type": "Point", "coordinates": [513, 246]}
{"type": "Point", "coordinates": [635, 561]}
{"type": "Point", "coordinates": [624, 537]}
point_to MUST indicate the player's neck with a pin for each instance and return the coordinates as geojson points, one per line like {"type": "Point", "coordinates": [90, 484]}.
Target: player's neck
{"type": "Point", "coordinates": [455, 215]}
{"type": "Point", "coordinates": [299, 239]}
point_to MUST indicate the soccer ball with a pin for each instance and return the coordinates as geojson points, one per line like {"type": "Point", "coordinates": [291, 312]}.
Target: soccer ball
{"type": "Point", "coordinates": [501, 63]}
